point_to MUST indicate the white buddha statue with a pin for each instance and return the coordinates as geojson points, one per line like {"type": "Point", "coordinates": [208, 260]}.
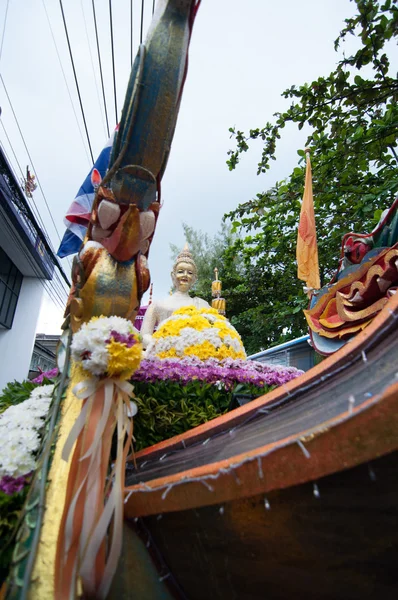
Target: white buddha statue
{"type": "Point", "coordinates": [183, 275]}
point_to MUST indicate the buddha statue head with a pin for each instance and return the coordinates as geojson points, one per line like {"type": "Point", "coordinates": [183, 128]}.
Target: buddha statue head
{"type": "Point", "coordinates": [184, 273]}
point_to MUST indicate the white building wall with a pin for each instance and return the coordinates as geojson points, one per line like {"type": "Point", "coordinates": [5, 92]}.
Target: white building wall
{"type": "Point", "coordinates": [16, 344]}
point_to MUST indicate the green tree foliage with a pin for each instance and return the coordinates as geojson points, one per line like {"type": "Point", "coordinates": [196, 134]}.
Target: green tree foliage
{"type": "Point", "coordinates": [353, 117]}
{"type": "Point", "coordinates": [208, 254]}
{"type": "Point", "coordinates": [243, 286]}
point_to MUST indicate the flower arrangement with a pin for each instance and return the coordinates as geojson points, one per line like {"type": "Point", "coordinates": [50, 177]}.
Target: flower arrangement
{"type": "Point", "coordinates": [15, 392]}
{"type": "Point", "coordinates": [20, 432]}
{"type": "Point", "coordinates": [225, 374]}
{"type": "Point", "coordinates": [201, 333]}
{"type": "Point", "coordinates": [107, 347]}
{"type": "Point", "coordinates": [174, 395]}
{"type": "Point", "coordinates": [21, 429]}
{"type": "Point", "coordinates": [106, 352]}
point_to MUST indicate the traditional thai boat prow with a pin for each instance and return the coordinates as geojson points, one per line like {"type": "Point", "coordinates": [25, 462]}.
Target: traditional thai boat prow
{"type": "Point", "coordinates": [294, 493]}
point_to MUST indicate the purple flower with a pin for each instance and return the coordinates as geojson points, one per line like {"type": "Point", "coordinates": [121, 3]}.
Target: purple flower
{"type": "Point", "coordinates": [46, 375]}
{"type": "Point", "coordinates": [128, 340]}
{"type": "Point", "coordinates": [228, 372]}
{"type": "Point", "coordinates": [10, 485]}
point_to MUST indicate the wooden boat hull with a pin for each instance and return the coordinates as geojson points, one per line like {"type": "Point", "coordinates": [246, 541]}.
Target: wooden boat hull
{"type": "Point", "coordinates": [340, 543]}
{"type": "Point", "coordinates": [293, 494]}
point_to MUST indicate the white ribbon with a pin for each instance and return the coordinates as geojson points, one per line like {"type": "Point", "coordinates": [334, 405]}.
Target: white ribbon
{"type": "Point", "coordinates": [113, 508]}
{"type": "Point", "coordinates": [84, 390]}
{"type": "Point", "coordinates": [92, 535]}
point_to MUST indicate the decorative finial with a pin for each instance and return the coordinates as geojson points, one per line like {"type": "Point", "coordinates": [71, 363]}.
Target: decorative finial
{"type": "Point", "coordinates": [218, 303]}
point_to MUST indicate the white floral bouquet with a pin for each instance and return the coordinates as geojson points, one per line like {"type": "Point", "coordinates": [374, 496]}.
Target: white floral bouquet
{"type": "Point", "coordinates": [20, 427]}
{"type": "Point", "coordinates": [108, 347]}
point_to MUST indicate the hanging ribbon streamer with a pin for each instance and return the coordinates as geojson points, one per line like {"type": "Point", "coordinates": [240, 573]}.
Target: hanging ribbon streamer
{"type": "Point", "coordinates": [85, 551]}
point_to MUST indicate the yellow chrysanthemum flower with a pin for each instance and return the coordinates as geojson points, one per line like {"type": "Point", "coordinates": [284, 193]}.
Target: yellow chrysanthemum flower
{"type": "Point", "coordinates": [123, 361]}
{"type": "Point", "coordinates": [203, 333]}
{"type": "Point", "coordinates": [175, 327]}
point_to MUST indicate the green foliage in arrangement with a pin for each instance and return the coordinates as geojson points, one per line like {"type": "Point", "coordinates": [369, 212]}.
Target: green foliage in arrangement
{"type": "Point", "coordinates": [15, 393]}
{"type": "Point", "coordinates": [10, 508]}
{"type": "Point", "coordinates": [168, 408]}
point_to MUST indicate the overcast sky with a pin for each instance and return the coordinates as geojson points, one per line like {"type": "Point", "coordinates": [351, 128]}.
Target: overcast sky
{"type": "Point", "coordinates": [242, 56]}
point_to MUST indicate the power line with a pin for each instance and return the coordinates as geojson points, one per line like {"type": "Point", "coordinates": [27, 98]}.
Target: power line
{"type": "Point", "coordinates": [12, 149]}
{"type": "Point", "coordinates": [100, 66]}
{"type": "Point", "coordinates": [30, 158]}
{"type": "Point", "coordinates": [57, 300]}
{"type": "Point", "coordinates": [20, 199]}
{"type": "Point", "coordinates": [37, 213]}
{"type": "Point", "coordinates": [153, 6]}
{"type": "Point", "coordinates": [65, 80]}
{"type": "Point", "coordinates": [60, 291]}
{"type": "Point", "coordinates": [35, 210]}
{"type": "Point", "coordinates": [4, 29]}
{"type": "Point", "coordinates": [76, 81]}
{"type": "Point", "coordinates": [92, 65]}
{"type": "Point", "coordinates": [113, 59]}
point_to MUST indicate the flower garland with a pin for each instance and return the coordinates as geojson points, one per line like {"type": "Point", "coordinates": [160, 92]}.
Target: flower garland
{"type": "Point", "coordinates": [20, 433]}
{"type": "Point", "coordinates": [175, 395]}
{"type": "Point", "coordinates": [21, 428]}
{"type": "Point", "coordinates": [201, 333]}
{"type": "Point", "coordinates": [106, 351]}
{"type": "Point", "coordinates": [225, 374]}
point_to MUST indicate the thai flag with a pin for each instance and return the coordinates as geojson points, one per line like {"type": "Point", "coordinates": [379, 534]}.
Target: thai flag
{"type": "Point", "coordinates": [78, 216]}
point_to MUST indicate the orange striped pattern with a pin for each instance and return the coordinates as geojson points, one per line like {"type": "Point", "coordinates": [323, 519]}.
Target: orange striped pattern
{"type": "Point", "coordinates": [307, 249]}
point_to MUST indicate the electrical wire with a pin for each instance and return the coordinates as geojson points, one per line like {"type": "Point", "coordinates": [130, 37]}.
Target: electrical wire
{"type": "Point", "coordinates": [30, 215]}
{"type": "Point", "coordinates": [153, 6]}
{"type": "Point", "coordinates": [76, 81]}
{"type": "Point", "coordinates": [100, 67]}
{"type": "Point", "coordinates": [65, 80]}
{"type": "Point", "coordinates": [113, 59]}
{"type": "Point", "coordinates": [4, 29]}
{"type": "Point", "coordinates": [36, 210]}
{"type": "Point", "coordinates": [12, 149]}
{"type": "Point", "coordinates": [30, 158]}
{"type": "Point", "coordinates": [60, 284]}
{"type": "Point", "coordinates": [92, 65]}
{"type": "Point", "coordinates": [56, 299]}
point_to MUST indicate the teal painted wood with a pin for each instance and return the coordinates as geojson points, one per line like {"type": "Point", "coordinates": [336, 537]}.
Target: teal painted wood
{"type": "Point", "coordinates": [28, 532]}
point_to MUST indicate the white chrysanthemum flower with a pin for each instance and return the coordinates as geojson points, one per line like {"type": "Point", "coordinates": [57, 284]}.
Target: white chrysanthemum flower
{"type": "Point", "coordinates": [210, 318]}
{"type": "Point", "coordinates": [121, 325]}
{"type": "Point", "coordinates": [89, 343]}
{"type": "Point", "coordinates": [42, 390]}
{"type": "Point", "coordinates": [98, 361]}
{"type": "Point", "coordinates": [219, 335]}
{"type": "Point", "coordinates": [19, 432]}
{"type": "Point", "coordinates": [233, 342]}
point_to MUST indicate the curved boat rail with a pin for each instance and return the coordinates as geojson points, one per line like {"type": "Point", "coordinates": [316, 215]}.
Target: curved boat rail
{"type": "Point", "coordinates": [339, 414]}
